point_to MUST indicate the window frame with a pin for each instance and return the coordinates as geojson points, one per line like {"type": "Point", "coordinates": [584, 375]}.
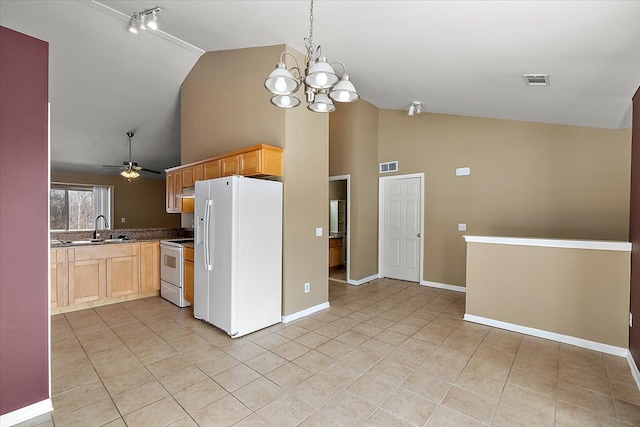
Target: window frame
{"type": "Point", "coordinates": [66, 187]}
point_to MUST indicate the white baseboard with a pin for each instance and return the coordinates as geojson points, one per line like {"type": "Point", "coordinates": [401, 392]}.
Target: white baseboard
{"type": "Point", "coordinates": [443, 286]}
{"type": "Point", "coordinates": [634, 368]}
{"type": "Point", "coordinates": [363, 281]}
{"type": "Point", "coordinates": [566, 339]}
{"type": "Point", "coordinates": [305, 312]}
{"type": "Point", "coordinates": [26, 413]}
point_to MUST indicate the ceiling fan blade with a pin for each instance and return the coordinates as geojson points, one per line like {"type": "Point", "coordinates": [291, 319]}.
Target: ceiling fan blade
{"type": "Point", "coordinates": [111, 166]}
{"type": "Point", "coordinates": [150, 170]}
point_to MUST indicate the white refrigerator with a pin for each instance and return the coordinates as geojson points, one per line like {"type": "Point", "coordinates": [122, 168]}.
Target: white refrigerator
{"type": "Point", "coordinates": [238, 253]}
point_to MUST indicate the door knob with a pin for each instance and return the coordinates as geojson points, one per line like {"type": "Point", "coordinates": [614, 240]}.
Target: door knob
{"type": "Point", "coordinates": [418, 234]}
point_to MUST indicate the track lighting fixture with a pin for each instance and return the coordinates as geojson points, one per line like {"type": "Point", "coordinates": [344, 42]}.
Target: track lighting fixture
{"type": "Point", "coordinates": [321, 82]}
{"type": "Point", "coordinates": [138, 20]}
{"type": "Point", "coordinates": [415, 108]}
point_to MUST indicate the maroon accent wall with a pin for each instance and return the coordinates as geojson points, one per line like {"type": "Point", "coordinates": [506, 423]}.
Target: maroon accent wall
{"type": "Point", "coordinates": [634, 230]}
{"type": "Point", "coordinates": [24, 206]}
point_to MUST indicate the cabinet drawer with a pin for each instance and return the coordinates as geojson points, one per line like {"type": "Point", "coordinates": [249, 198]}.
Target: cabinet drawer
{"type": "Point", "coordinates": [335, 243]}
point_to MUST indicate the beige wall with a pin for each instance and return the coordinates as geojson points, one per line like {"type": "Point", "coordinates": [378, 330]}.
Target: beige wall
{"type": "Point", "coordinates": [338, 190]}
{"type": "Point", "coordinates": [141, 202]}
{"type": "Point", "coordinates": [225, 107]}
{"type": "Point", "coordinates": [527, 180]}
{"type": "Point", "coordinates": [576, 292]}
{"type": "Point", "coordinates": [353, 148]}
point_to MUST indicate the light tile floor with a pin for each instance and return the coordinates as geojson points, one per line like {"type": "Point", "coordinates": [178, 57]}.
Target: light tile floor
{"type": "Point", "coordinates": [388, 353]}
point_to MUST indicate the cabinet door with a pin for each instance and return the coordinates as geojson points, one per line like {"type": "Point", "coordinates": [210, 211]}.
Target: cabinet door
{"type": "Point", "coordinates": [335, 257]}
{"type": "Point", "coordinates": [187, 177]}
{"type": "Point", "coordinates": [198, 173]}
{"type": "Point", "coordinates": [170, 193]}
{"type": "Point", "coordinates": [122, 276]}
{"type": "Point", "coordinates": [177, 188]}
{"type": "Point", "coordinates": [188, 280]}
{"type": "Point", "coordinates": [212, 169]}
{"type": "Point", "coordinates": [149, 266]}
{"type": "Point", "coordinates": [87, 281]}
{"type": "Point", "coordinates": [59, 283]}
{"type": "Point", "coordinates": [251, 163]}
{"type": "Point", "coordinates": [230, 166]}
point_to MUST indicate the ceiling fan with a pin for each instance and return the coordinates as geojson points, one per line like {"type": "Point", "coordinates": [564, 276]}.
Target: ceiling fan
{"type": "Point", "coordinates": [130, 169]}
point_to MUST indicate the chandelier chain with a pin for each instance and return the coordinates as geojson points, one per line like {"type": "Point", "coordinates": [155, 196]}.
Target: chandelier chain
{"type": "Point", "coordinates": [309, 40]}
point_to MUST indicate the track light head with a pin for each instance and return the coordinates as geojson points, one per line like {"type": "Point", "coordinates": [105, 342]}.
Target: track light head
{"type": "Point", "coordinates": [139, 21]}
{"type": "Point", "coordinates": [415, 108]}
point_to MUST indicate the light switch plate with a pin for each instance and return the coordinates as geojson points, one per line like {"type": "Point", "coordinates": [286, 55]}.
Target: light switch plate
{"type": "Point", "coordinates": [462, 227]}
{"type": "Point", "coordinates": [319, 232]}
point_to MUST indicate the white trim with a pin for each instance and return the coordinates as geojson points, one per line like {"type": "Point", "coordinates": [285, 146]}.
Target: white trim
{"type": "Point", "coordinates": [567, 339]}
{"type": "Point", "coordinates": [444, 286]}
{"type": "Point", "coordinates": [634, 368]}
{"type": "Point", "coordinates": [381, 182]}
{"type": "Point", "coordinates": [348, 235]}
{"type": "Point", "coordinates": [49, 246]}
{"type": "Point", "coordinates": [601, 245]}
{"type": "Point", "coordinates": [24, 414]}
{"type": "Point", "coordinates": [365, 280]}
{"type": "Point", "coordinates": [306, 312]}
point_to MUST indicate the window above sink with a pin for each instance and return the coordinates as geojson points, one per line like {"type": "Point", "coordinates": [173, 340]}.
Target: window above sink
{"type": "Point", "coordinates": [75, 206]}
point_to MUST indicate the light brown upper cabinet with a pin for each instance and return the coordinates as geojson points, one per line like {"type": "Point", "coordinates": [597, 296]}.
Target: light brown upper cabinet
{"type": "Point", "coordinates": [258, 160]}
{"type": "Point", "coordinates": [187, 177]}
{"type": "Point", "coordinates": [212, 169]}
{"type": "Point", "coordinates": [173, 187]}
{"type": "Point", "coordinates": [230, 166]}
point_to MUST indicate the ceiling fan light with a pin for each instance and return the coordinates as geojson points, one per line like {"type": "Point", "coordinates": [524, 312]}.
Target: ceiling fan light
{"type": "Point", "coordinates": [321, 104]}
{"type": "Point", "coordinates": [280, 81]}
{"type": "Point", "coordinates": [129, 173]}
{"type": "Point", "coordinates": [321, 75]}
{"type": "Point", "coordinates": [344, 91]}
{"type": "Point", "coordinates": [285, 101]}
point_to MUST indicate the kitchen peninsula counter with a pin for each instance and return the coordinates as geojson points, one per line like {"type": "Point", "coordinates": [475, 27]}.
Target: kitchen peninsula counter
{"type": "Point", "coordinates": [574, 291]}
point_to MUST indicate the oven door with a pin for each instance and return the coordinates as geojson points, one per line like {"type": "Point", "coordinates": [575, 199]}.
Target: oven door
{"type": "Point", "coordinates": [171, 264]}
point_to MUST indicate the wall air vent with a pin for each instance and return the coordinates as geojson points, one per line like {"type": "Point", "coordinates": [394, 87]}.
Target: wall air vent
{"type": "Point", "coordinates": [389, 167]}
{"type": "Point", "coordinates": [536, 79]}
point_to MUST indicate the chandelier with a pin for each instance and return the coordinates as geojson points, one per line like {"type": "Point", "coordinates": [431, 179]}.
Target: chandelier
{"type": "Point", "coordinates": [321, 83]}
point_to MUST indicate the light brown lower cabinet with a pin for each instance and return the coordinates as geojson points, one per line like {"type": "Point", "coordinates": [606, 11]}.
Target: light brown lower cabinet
{"type": "Point", "coordinates": [149, 266]}
{"type": "Point", "coordinates": [59, 288]}
{"type": "Point", "coordinates": [189, 275]}
{"type": "Point", "coordinates": [335, 252]}
{"type": "Point", "coordinates": [104, 274]}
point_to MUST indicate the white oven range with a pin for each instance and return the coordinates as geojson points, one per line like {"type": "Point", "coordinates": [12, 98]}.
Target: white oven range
{"type": "Point", "coordinates": [171, 271]}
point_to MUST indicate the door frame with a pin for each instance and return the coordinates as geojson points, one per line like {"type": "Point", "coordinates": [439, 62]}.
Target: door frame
{"type": "Point", "coordinates": [381, 236]}
{"type": "Point", "coordinates": [348, 235]}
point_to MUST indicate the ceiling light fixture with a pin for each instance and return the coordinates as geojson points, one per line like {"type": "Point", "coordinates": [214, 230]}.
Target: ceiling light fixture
{"type": "Point", "coordinates": [130, 173]}
{"type": "Point", "coordinates": [138, 20]}
{"type": "Point", "coordinates": [415, 108]}
{"type": "Point", "coordinates": [321, 83]}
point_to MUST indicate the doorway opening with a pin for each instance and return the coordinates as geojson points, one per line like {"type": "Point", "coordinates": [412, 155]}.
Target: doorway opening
{"type": "Point", "coordinates": [339, 228]}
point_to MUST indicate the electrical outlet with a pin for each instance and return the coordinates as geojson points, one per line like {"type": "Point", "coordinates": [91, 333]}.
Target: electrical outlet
{"type": "Point", "coordinates": [319, 232]}
{"type": "Point", "coordinates": [631, 320]}
{"type": "Point", "coordinates": [122, 220]}
{"type": "Point", "coordinates": [307, 287]}
{"type": "Point", "coordinates": [462, 227]}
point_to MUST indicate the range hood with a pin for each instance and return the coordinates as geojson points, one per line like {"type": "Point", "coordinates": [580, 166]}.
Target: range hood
{"type": "Point", "coordinates": [187, 193]}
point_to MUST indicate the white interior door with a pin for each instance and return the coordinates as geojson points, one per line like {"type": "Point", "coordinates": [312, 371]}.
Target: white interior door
{"type": "Point", "coordinates": [402, 228]}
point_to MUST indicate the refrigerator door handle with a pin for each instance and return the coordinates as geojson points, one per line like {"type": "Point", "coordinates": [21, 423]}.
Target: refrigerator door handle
{"type": "Point", "coordinates": [207, 224]}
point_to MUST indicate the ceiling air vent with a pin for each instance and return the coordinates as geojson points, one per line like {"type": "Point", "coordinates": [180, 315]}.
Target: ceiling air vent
{"type": "Point", "coordinates": [536, 79]}
{"type": "Point", "coordinates": [389, 167]}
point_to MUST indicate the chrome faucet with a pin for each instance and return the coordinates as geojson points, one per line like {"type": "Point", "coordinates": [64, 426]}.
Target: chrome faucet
{"type": "Point", "coordinates": [106, 226]}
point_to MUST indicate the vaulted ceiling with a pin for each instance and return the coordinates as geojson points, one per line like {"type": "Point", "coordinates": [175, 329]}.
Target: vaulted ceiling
{"type": "Point", "coordinates": [456, 57]}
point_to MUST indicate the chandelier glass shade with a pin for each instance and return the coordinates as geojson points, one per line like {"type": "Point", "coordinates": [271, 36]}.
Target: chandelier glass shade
{"type": "Point", "coordinates": [321, 82]}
